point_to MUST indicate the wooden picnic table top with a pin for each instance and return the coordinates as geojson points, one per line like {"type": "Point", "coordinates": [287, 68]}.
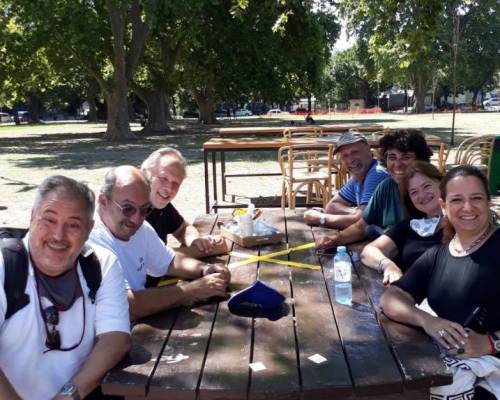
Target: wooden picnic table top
{"type": "Point", "coordinates": [278, 130]}
{"type": "Point", "coordinates": [205, 352]}
{"type": "Point", "coordinates": [252, 143]}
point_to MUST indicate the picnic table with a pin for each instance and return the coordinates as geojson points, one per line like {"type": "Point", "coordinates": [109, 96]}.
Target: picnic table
{"type": "Point", "coordinates": [319, 350]}
{"type": "Point", "coordinates": [278, 130]}
{"type": "Point", "coordinates": [220, 146]}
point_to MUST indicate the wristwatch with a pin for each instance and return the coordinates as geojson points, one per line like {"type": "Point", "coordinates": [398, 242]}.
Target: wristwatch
{"type": "Point", "coordinates": [495, 342]}
{"type": "Point", "coordinates": [322, 219]}
{"type": "Point", "coordinates": [70, 389]}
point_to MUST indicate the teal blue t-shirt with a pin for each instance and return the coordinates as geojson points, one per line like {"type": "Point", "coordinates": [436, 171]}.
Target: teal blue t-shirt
{"type": "Point", "coordinates": [384, 208]}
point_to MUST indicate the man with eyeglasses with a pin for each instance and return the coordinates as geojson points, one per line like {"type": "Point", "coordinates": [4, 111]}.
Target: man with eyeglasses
{"type": "Point", "coordinates": [123, 204]}
{"type": "Point", "coordinates": [63, 341]}
{"type": "Point", "coordinates": [165, 170]}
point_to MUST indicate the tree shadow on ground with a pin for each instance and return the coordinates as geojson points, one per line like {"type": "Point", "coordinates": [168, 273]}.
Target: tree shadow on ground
{"type": "Point", "coordinates": [75, 151]}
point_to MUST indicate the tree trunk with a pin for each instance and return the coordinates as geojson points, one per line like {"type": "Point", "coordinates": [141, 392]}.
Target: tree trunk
{"type": "Point", "coordinates": [33, 107]}
{"type": "Point", "coordinates": [166, 101]}
{"type": "Point", "coordinates": [155, 103]}
{"type": "Point", "coordinates": [475, 93]}
{"type": "Point", "coordinates": [420, 91]}
{"type": "Point", "coordinates": [91, 96]}
{"type": "Point", "coordinates": [206, 105]}
{"type": "Point", "coordinates": [118, 121]}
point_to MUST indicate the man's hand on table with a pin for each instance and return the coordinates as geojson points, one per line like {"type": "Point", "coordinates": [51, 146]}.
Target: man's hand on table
{"type": "Point", "coordinates": [209, 286]}
{"type": "Point", "coordinates": [206, 244]}
{"type": "Point", "coordinates": [222, 270]}
{"type": "Point", "coordinates": [326, 241]}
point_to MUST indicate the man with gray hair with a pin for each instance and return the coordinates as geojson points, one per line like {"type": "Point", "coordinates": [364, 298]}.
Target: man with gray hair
{"type": "Point", "coordinates": [165, 169]}
{"type": "Point", "coordinates": [124, 202]}
{"type": "Point", "coordinates": [347, 206]}
{"type": "Point", "coordinates": [61, 342]}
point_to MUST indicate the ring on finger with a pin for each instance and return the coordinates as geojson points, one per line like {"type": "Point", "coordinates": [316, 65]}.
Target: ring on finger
{"type": "Point", "coordinates": [441, 332]}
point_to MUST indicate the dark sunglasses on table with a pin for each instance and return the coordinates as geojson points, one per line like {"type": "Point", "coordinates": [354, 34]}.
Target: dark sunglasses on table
{"type": "Point", "coordinates": [128, 210]}
{"type": "Point", "coordinates": [51, 318]}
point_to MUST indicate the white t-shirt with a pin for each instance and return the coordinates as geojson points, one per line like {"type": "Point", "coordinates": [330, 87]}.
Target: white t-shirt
{"type": "Point", "coordinates": [144, 253]}
{"type": "Point", "coordinates": [38, 375]}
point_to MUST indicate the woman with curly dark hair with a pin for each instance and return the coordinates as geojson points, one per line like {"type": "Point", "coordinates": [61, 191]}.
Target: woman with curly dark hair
{"type": "Point", "coordinates": [389, 204]}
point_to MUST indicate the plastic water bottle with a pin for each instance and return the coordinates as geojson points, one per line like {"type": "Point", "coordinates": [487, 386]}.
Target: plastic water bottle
{"type": "Point", "coordinates": [246, 221]}
{"type": "Point", "coordinates": [342, 276]}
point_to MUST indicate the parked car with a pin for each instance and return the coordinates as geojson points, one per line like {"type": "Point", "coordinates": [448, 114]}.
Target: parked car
{"type": "Point", "coordinates": [24, 116]}
{"type": "Point", "coordinates": [242, 113]}
{"type": "Point", "coordinates": [5, 117]}
{"type": "Point", "coordinates": [274, 111]}
{"type": "Point", "coordinates": [492, 104]}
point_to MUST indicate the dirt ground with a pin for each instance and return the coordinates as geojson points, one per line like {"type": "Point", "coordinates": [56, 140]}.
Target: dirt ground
{"type": "Point", "coordinates": [28, 154]}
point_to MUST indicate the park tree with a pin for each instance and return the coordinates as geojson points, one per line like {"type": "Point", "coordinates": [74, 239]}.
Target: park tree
{"type": "Point", "coordinates": [262, 50]}
{"type": "Point", "coordinates": [403, 39]}
{"type": "Point", "coordinates": [105, 37]}
{"type": "Point", "coordinates": [478, 59]}
{"type": "Point", "coordinates": [349, 76]}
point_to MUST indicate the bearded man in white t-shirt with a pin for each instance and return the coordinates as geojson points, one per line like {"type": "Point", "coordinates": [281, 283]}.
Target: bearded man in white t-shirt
{"type": "Point", "coordinates": [123, 204]}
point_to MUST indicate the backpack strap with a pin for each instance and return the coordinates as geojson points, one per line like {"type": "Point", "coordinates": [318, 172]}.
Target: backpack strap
{"type": "Point", "coordinates": [15, 259]}
{"type": "Point", "coordinates": [91, 269]}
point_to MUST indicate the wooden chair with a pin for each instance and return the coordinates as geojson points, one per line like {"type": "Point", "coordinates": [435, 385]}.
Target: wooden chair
{"type": "Point", "coordinates": [301, 166]}
{"type": "Point", "coordinates": [314, 131]}
{"type": "Point", "coordinates": [476, 151]}
{"type": "Point", "coordinates": [440, 153]}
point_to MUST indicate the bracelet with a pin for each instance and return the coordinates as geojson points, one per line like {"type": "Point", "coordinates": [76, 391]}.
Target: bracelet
{"type": "Point", "coordinates": [493, 350]}
{"type": "Point", "coordinates": [380, 266]}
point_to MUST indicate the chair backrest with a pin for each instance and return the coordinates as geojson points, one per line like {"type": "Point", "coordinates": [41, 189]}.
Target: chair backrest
{"type": "Point", "coordinates": [476, 151]}
{"type": "Point", "coordinates": [440, 152]}
{"type": "Point", "coordinates": [311, 131]}
{"type": "Point", "coordinates": [295, 160]}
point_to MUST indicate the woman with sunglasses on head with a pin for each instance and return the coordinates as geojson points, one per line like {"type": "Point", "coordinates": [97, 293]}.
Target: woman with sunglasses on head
{"type": "Point", "coordinates": [397, 249]}
{"type": "Point", "coordinates": [389, 204]}
{"type": "Point", "coordinates": [460, 279]}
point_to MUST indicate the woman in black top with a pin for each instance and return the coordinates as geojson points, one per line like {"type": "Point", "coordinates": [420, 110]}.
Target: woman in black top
{"type": "Point", "coordinates": [397, 249]}
{"type": "Point", "coordinates": [460, 279]}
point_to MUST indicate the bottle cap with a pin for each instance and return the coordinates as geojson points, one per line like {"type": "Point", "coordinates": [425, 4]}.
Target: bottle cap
{"type": "Point", "coordinates": [341, 249]}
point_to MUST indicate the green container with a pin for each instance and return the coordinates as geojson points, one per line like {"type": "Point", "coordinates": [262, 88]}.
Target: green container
{"type": "Point", "coordinates": [494, 177]}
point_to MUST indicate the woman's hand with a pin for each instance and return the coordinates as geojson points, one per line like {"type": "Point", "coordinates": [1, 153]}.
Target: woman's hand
{"type": "Point", "coordinates": [476, 345]}
{"type": "Point", "coordinates": [450, 335]}
{"type": "Point", "coordinates": [391, 273]}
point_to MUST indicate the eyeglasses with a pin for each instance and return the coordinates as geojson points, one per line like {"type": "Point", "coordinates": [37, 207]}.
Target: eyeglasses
{"type": "Point", "coordinates": [128, 210]}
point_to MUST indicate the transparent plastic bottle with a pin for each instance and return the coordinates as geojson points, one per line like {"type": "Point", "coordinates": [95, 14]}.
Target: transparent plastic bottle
{"type": "Point", "coordinates": [246, 221]}
{"type": "Point", "coordinates": [342, 276]}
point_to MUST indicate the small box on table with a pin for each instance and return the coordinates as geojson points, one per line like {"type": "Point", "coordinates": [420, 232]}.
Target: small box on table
{"type": "Point", "coordinates": [263, 234]}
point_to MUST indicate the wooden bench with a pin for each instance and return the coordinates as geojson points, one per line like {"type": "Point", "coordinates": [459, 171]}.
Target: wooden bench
{"type": "Point", "coordinates": [205, 352]}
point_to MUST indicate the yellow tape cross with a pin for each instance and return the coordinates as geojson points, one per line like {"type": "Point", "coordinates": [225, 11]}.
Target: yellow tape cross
{"type": "Point", "coordinates": [270, 258]}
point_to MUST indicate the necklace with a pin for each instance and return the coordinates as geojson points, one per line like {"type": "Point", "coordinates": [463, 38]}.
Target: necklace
{"type": "Point", "coordinates": [473, 244]}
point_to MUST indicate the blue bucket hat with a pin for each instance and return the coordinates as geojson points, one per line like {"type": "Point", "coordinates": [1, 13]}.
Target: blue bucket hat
{"type": "Point", "coordinates": [259, 300]}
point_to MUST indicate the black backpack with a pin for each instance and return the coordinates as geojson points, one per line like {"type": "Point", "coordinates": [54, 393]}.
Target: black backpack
{"type": "Point", "coordinates": [16, 264]}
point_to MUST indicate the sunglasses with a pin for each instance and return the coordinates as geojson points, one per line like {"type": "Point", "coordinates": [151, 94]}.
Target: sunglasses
{"type": "Point", "coordinates": [50, 316]}
{"type": "Point", "coordinates": [128, 210]}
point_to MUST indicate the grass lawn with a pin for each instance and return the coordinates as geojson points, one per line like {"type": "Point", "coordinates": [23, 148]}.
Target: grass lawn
{"type": "Point", "coordinates": [28, 154]}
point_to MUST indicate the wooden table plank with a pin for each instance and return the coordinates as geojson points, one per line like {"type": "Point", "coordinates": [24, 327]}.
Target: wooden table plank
{"type": "Point", "coordinates": [373, 367]}
{"type": "Point", "coordinates": [274, 341]}
{"type": "Point", "coordinates": [418, 359]}
{"type": "Point", "coordinates": [131, 376]}
{"type": "Point", "coordinates": [180, 365]}
{"type": "Point", "coordinates": [278, 130]}
{"type": "Point", "coordinates": [226, 371]}
{"type": "Point", "coordinates": [316, 327]}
